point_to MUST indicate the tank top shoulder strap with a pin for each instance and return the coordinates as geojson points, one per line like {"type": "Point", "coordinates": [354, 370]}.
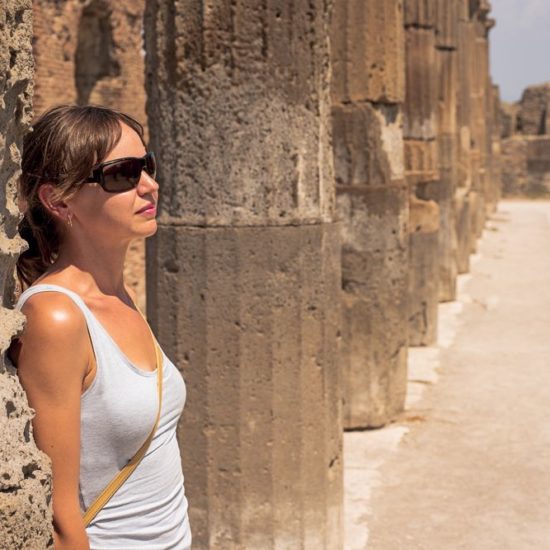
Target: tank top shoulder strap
{"type": "Point", "coordinates": [44, 287]}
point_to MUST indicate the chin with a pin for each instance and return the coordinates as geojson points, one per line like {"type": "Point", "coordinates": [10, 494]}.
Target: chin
{"type": "Point", "coordinates": [147, 229]}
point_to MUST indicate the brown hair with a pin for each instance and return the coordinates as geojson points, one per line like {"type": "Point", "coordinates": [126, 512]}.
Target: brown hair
{"type": "Point", "coordinates": [66, 141]}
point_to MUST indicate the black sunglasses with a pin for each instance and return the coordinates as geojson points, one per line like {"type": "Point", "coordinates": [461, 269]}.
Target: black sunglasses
{"type": "Point", "coordinates": [122, 174]}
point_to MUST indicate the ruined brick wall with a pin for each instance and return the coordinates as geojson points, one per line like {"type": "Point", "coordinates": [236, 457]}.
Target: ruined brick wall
{"type": "Point", "coordinates": [25, 480]}
{"type": "Point", "coordinates": [533, 116]}
{"type": "Point", "coordinates": [92, 52]}
{"type": "Point", "coordinates": [525, 129]}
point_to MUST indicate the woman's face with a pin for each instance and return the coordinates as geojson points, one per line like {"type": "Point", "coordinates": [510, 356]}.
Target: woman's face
{"type": "Point", "coordinates": [114, 217]}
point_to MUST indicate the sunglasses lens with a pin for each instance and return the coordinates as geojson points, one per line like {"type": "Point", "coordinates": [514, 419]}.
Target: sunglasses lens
{"type": "Point", "coordinates": [151, 164]}
{"type": "Point", "coordinates": [123, 175]}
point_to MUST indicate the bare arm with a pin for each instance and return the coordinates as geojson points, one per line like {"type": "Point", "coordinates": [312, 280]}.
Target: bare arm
{"type": "Point", "coordinates": [51, 357]}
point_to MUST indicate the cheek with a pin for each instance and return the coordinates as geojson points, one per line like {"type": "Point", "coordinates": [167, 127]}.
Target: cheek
{"type": "Point", "coordinates": [115, 212]}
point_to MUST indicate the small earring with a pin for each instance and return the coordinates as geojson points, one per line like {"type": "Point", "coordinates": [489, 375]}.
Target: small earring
{"type": "Point", "coordinates": [69, 221]}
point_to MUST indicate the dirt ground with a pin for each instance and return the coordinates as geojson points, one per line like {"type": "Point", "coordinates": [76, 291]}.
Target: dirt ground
{"type": "Point", "coordinates": [468, 464]}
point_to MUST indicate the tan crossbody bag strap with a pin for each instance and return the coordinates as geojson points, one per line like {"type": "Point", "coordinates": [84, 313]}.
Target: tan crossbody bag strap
{"type": "Point", "coordinates": [123, 475]}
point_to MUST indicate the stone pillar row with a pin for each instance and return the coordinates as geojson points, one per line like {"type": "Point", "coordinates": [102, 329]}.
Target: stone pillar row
{"type": "Point", "coordinates": [326, 169]}
{"type": "Point", "coordinates": [311, 226]}
{"type": "Point", "coordinates": [399, 263]}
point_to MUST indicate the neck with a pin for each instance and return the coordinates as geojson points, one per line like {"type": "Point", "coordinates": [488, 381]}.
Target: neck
{"type": "Point", "coordinates": [96, 271]}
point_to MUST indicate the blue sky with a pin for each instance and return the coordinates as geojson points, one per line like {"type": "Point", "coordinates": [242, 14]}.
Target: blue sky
{"type": "Point", "coordinates": [520, 45]}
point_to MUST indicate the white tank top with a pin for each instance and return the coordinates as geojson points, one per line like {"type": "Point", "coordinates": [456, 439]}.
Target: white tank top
{"type": "Point", "coordinates": [118, 411]}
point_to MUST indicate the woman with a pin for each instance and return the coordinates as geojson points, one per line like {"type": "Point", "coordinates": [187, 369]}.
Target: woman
{"type": "Point", "coordinates": [87, 356]}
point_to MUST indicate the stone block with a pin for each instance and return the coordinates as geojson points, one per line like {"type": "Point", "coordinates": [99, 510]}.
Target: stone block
{"type": "Point", "coordinates": [514, 165]}
{"type": "Point", "coordinates": [463, 10]}
{"type": "Point", "coordinates": [420, 13]}
{"type": "Point", "coordinates": [421, 161]}
{"type": "Point", "coordinates": [534, 110]}
{"type": "Point", "coordinates": [420, 107]}
{"type": "Point", "coordinates": [424, 271]}
{"type": "Point", "coordinates": [464, 231]}
{"type": "Point", "coordinates": [254, 108]}
{"type": "Point", "coordinates": [463, 158]}
{"type": "Point", "coordinates": [538, 155]}
{"type": "Point", "coordinates": [447, 153]}
{"type": "Point", "coordinates": [251, 316]}
{"type": "Point", "coordinates": [368, 56]}
{"type": "Point", "coordinates": [523, 166]}
{"type": "Point", "coordinates": [367, 144]}
{"type": "Point", "coordinates": [465, 53]}
{"type": "Point", "coordinates": [447, 112]}
{"type": "Point", "coordinates": [375, 286]}
{"type": "Point", "coordinates": [442, 192]}
{"type": "Point", "coordinates": [477, 217]}
{"type": "Point", "coordinates": [476, 168]}
{"type": "Point", "coordinates": [446, 23]}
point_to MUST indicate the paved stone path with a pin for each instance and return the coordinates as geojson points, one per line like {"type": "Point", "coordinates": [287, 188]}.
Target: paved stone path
{"type": "Point", "coordinates": [468, 464]}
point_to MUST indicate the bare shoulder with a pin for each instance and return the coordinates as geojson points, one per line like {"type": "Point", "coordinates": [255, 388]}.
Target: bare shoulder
{"type": "Point", "coordinates": [45, 310]}
{"type": "Point", "coordinates": [54, 327]}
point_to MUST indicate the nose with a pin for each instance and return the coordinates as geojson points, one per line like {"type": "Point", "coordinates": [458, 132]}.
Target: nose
{"type": "Point", "coordinates": [147, 184]}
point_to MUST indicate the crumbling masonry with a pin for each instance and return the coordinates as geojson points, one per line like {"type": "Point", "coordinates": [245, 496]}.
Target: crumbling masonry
{"type": "Point", "coordinates": [525, 132]}
{"type": "Point", "coordinates": [326, 169]}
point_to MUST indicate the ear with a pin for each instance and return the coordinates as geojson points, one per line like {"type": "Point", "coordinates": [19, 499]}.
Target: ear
{"type": "Point", "coordinates": [56, 207]}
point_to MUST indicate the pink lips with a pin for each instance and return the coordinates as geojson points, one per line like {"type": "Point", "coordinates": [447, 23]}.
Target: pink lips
{"type": "Point", "coordinates": [151, 209]}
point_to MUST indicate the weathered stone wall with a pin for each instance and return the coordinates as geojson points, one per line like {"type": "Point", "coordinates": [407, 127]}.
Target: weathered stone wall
{"type": "Point", "coordinates": [92, 52]}
{"type": "Point", "coordinates": [244, 272]}
{"type": "Point", "coordinates": [533, 115]}
{"type": "Point", "coordinates": [525, 129]}
{"type": "Point", "coordinates": [25, 483]}
{"type": "Point", "coordinates": [525, 166]}
{"type": "Point", "coordinates": [368, 89]}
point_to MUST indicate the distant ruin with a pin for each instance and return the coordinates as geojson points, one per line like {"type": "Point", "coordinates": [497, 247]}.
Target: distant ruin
{"type": "Point", "coordinates": [525, 133]}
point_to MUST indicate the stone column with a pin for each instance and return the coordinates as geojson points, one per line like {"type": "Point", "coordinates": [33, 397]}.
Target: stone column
{"type": "Point", "coordinates": [465, 197]}
{"type": "Point", "coordinates": [443, 190]}
{"type": "Point", "coordinates": [421, 168]}
{"type": "Point", "coordinates": [25, 473]}
{"type": "Point", "coordinates": [367, 94]}
{"type": "Point", "coordinates": [491, 117]}
{"type": "Point", "coordinates": [480, 77]}
{"type": "Point", "coordinates": [496, 147]}
{"type": "Point", "coordinates": [243, 274]}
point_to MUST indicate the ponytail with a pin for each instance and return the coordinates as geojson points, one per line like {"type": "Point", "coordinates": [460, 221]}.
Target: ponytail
{"type": "Point", "coordinates": [39, 231]}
